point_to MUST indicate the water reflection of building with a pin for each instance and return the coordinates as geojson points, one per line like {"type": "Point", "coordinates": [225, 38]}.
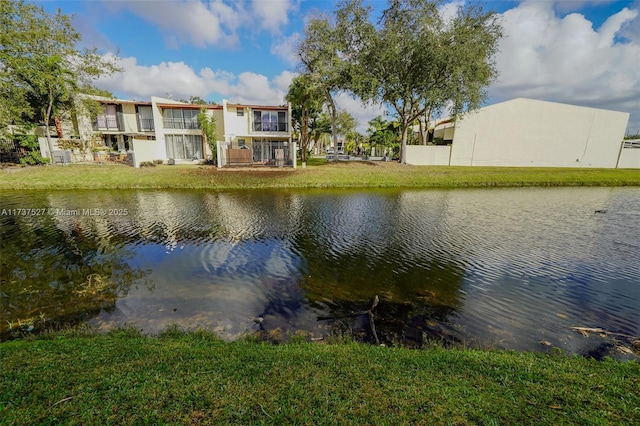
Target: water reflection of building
{"type": "Point", "coordinates": [504, 264]}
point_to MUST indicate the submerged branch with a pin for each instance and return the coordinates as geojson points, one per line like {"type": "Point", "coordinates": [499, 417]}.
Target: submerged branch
{"type": "Point", "coordinates": [585, 330]}
{"type": "Point", "coordinates": [368, 312]}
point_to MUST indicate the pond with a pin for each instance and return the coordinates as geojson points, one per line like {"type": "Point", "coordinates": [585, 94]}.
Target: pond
{"type": "Point", "coordinates": [506, 268]}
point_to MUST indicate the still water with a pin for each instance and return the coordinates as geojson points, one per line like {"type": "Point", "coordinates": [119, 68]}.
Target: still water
{"type": "Point", "coordinates": [508, 268]}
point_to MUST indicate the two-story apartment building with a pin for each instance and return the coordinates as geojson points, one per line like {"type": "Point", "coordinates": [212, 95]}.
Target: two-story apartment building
{"type": "Point", "coordinates": [167, 130]}
{"type": "Point", "coordinates": [262, 130]}
{"type": "Point", "coordinates": [121, 122]}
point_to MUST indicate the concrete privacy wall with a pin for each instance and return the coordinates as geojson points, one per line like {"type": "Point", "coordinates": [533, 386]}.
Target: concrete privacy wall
{"type": "Point", "coordinates": [428, 155]}
{"type": "Point", "coordinates": [44, 146]}
{"type": "Point", "coordinates": [147, 150]}
{"type": "Point", "coordinates": [629, 159]}
{"type": "Point", "coordinates": [527, 132]}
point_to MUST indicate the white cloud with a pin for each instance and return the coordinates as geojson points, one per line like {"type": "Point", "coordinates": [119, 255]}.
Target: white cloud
{"type": "Point", "coordinates": [272, 15]}
{"type": "Point", "coordinates": [362, 113]}
{"type": "Point", "coordinates": [179, 81]}
{"type": "Point", "coordinates": [190, 22]}
{"type": "Point", "coordinates": [286, 48]}
{"type": "Point", "coordinates": [212, 22]}
{"type": "Point", "coordinates": [448, 11]}
{"type": "Point", "coordinates": [565, 59]}
{"type": "Point", "coordinates": [283, 80]}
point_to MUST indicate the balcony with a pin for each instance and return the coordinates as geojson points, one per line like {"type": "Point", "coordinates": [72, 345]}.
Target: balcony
{"type": "Point", "coordinates": [179, 123]}
{"type": "Point", "coordinates": [109, 122]}
{"type": "Point", "coordinates": [269, 127]}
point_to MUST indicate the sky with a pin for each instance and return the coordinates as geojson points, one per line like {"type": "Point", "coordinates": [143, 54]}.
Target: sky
{"type": "Point", "coordinates": [582, 52]}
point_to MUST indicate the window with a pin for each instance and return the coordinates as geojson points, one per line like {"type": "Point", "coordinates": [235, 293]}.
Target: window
{"type": "Point", "coordinates": [269, 121]}
{"type": "Point", "coordinates": [180, 118]}
{"type": "Point", "coordinates": [240, 112]}
{"type": "Point", "coordinates": [111, 119]}
{"type": "Point", "coordinates": [184, 147]}
{"type": "Point", "coordinates": [145, 118]}
{"type": "Point", "coordinates": [242, 143]}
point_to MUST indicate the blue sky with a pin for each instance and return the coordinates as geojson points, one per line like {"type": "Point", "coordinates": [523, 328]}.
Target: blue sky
{"type": "Point", "coordinates": [575, 51]}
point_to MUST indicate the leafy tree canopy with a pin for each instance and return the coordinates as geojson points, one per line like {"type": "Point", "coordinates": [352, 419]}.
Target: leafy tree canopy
{"type": "Point", "coordinates": [412, 60]}
{"type": "Point", "coordinates": [306, 100]}
{"type": "Point", "coordinates": [328, 54]}
{"type": "Point", "coordinates": [42, 64]}
{"type": "Point", "coordinates": [207, 125]}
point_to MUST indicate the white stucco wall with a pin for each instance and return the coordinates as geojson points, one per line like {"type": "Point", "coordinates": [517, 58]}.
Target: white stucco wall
{"type": "Point", "coordinates": [235, 126]}
{"type": "Point", "coordinates": [428, 155]}
{"type": "Point", "coordinates": [241, 127]}
{"type": "Point", "coordinates": [446, 132]}
{"type": "Point", "coordinates": [526, 132]}
{"type": "Point", "coordinates": [147, 150]}
{"type": "Point", "coordinates": [629, 159]}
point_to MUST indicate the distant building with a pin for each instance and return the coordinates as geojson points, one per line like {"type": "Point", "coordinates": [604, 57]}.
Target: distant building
{"type": "Point", "coordinates": [530, 133]}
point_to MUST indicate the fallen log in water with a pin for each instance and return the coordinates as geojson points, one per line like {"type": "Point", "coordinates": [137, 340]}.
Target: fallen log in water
{"type": "Point", "coordinates": [368, 312]}
{"type": "Point", "coordinates": [632, 341]}
{"type": "Point", "coordinates": [602, 331]}
{"type": "Point", "coordinates": [350, 315]}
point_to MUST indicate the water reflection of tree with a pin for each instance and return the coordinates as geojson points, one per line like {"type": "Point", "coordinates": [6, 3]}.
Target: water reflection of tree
{"type": "Point", "coordinates": [353, 246]}
{"type": "Point", "coordinates": [54, 273]}
{"type": "Point", "coordinates": [416, 295]}
{"type": "Point", "coordinates": [411, 324]}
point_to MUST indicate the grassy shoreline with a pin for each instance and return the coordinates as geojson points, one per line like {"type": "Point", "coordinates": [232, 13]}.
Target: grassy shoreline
{"type": "Point", "coordinates": [318, 174]}
{"type": "Point", "coordinates": [195, 378]}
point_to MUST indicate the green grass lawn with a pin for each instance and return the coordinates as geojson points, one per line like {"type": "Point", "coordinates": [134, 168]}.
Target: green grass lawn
{"type": "Point", "coordinates": [125, 378]}
{"type": "Point", "coordinates": [317, 174]}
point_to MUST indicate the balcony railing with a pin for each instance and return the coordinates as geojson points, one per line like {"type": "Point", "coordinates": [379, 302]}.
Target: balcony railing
{"type": "Point", "coordinates": [259, 126]}
{"type": "Point", "coordinates": [109, 122]}
{"type": "Point", "coordinates": [179, 123]}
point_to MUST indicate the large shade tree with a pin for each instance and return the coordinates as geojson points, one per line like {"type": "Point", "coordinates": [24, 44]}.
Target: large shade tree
{"type": "Point", "coordinates": [415, 62]}
{"type": "Point", "coordinates": [329, 54]}
{"type": "Point", "coordinates": [42, 64]}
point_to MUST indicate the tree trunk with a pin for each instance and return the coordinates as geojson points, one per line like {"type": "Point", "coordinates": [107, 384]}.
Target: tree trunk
{"type": "Point", "coordinates": [304, 134]}
{"type": "Point", "coordinates": [424, 131]}
{"type": "Point", "coordinates": [403, 145]}
{"type": "Point", "coordinates": [424, 128]}
{"type": "Point", "coordinates": [334, 123]}
{"type": "Point", "coordinates": [205, 143]}
{"type": "Point", "coordinates": [47, 131]}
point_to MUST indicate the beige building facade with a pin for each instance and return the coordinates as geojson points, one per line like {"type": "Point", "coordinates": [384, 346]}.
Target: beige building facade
{"type": "Point", "coordinates": [529, 133]}
{"type": "Point", "coordinates": [167, 130]}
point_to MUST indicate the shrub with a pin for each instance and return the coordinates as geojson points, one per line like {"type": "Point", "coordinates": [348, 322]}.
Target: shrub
{"type": "Point", "coordinates": [32, 157]}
